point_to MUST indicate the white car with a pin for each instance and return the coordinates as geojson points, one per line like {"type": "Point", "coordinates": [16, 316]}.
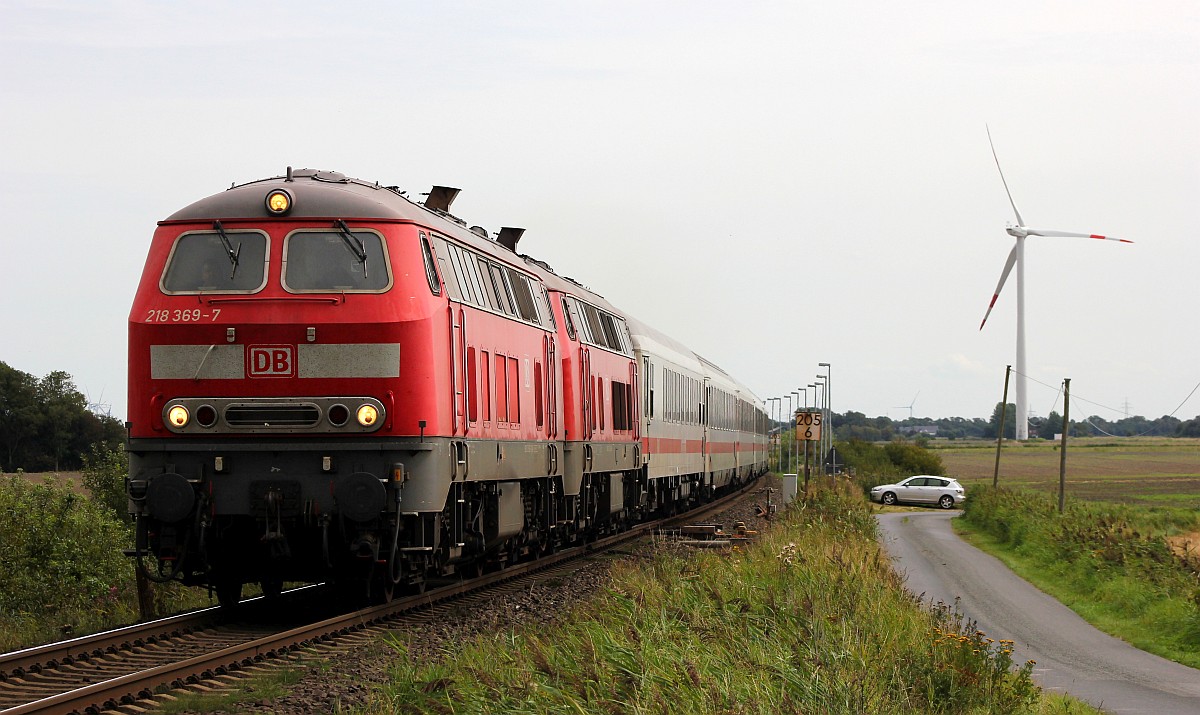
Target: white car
{"type": "Point", "coordinates": [921, 489]}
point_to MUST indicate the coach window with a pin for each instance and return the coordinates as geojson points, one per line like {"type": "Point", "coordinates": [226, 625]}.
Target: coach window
{"type": "Point", "coordinates": [219, 261]}
{"type": "Point", "coordinates": [342, 260]}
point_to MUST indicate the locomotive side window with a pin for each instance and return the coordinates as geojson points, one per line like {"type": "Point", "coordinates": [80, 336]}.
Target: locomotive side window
{"type": "Point", "coordinates": [523, 294]}
{"type": "Point", "coordinates": [465, 287]}
{"type": "Point", "coordinates": [225, 261]}
{"type": "Point", "coordinates": [494, 282]}
{"type": "Point", "coordinates": [352, 261]}
{"type": "Point", "coordinates": [430, 270]}
{"type": "Point", "coordinates": [596, 326]}
{"type": "Point", "coordinates": [592, 316]}
{"type": "Point", "coordinates": [567, 319]}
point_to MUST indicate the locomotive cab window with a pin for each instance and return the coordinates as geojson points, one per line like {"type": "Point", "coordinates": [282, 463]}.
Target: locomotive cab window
{"type": "Point", "coordinates": [435, 285]}
{"type": "Point", "coordinates": [333, 260]}
{"type": "Point", "coordinates": [224, 261]}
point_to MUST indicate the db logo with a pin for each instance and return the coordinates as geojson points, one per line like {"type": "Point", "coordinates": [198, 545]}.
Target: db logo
{"type": "Point", "coordinates": [271, 361]}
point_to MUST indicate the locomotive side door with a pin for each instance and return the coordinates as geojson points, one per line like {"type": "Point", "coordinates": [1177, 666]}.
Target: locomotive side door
{"type": "Point", "coordinates": [459, 383]}
{"type": "Point", "coordinates": [707, 460]}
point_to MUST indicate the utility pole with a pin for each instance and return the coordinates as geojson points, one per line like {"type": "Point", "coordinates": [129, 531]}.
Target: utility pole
{"type": "Point", "coordinates": [1000, 436]}
{"type": "Point", "coordinates": [1062, 456]}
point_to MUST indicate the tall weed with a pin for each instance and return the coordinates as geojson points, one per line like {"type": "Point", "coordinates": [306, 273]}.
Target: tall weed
{"type": "Point", "coordinates": [810, 619]}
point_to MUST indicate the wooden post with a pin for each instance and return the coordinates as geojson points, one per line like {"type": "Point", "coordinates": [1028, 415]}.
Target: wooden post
{"type": "Point", "coordinates": [1000, 435]}
{"type": "Point", "coordinates": [1062, 457]}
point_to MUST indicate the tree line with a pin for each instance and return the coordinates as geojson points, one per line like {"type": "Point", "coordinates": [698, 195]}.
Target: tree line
{"type": "Point", "coordinates": [853, 425]}
{"type": "Point", "coordinates": [45, 423]}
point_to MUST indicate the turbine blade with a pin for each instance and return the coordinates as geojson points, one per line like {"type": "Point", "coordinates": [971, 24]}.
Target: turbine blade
{"type": "Point", "coordinates": [1020, 221]}
{"type": "Point", "coordinates": [1070, 234]}
{"type": "Point", "coordinates": [1008, 266]}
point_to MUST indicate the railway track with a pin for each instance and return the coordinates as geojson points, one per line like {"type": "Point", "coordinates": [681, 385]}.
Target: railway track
{"type": "Point", "coordinates": [121, 670]}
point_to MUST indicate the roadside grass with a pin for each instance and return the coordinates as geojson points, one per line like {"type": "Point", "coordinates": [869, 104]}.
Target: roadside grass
{"type": "Point", "coordinates": [1110, 563]}
{"type": "Point", "coordinates": [811, 618]}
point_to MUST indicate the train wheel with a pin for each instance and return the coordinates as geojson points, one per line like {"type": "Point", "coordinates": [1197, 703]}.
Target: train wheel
{"type": "Point", "coordinates": [383, 590]}
{"type": "Point", "coordinates": [271, 587]}
{"type": "Point", "coordinates": [229, 592]}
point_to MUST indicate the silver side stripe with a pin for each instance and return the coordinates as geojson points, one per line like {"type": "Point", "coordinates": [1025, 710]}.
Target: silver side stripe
{"type": "Point", "coordinates": [229, 362]}
{"type": "Point", "coordinates": [349, 360]}
{"type": "Point", "coordinates": [203, 362]}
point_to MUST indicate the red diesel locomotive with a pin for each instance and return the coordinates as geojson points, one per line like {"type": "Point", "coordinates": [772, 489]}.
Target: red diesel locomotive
{"type": "Point", "coordinates": [329, 381]}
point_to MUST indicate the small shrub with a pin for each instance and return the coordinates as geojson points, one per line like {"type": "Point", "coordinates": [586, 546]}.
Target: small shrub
{"type": "Point", "coordinates": [56, 557]}
{"type": "Point", "coordinates": [104, 471]}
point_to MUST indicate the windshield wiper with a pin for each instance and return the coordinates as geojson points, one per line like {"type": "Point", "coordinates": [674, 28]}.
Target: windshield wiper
{"type": "Point", "coordinates": [354, 244]}
{"type": "Point", "coordinates": [233, 255]}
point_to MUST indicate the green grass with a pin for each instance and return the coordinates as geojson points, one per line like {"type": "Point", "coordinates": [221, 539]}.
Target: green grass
{"type": "Point", "coordinates": [812, 618]}
{"type": "Point", "coordinates": [1109, 563]}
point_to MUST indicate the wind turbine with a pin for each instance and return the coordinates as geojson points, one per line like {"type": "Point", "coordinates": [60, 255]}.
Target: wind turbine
{"type": "Point", "coordinates": [1017, 257]}
{"type": "Point", "coordinates": [909, 406]}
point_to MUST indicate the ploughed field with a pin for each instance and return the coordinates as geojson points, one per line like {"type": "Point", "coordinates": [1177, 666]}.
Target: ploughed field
{"type": "Point", "coordinates": [1144, 471]}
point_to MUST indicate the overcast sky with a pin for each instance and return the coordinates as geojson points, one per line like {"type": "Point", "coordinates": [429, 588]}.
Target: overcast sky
{"type": "Point", "coordinates": [774, 184]}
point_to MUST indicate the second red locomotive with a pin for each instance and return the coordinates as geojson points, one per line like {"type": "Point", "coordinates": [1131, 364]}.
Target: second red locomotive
{"type": "Point", "coordinates": [329, 381]}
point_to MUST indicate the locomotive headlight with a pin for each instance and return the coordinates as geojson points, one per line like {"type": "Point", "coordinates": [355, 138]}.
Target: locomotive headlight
{"type": "Point", "coordinates": [367, 414]}
{"type": "Point", "coordinates": [178, 416]}
{"type": "Point", "coordinates": [279, 202]}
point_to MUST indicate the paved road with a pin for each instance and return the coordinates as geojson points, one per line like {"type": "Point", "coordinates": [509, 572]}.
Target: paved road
{"type": "Point", "coordinates": [1071, 655]}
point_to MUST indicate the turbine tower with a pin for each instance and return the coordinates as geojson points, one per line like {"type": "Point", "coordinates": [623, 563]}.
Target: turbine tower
{"type": "Point", "coordinates": [1017, 257]}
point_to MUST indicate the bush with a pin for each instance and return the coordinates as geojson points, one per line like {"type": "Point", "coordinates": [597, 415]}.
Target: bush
{"type": "Point", "coordinates": [104, 470]}
{"type": "Point", "coordinates": [56, 552]}
{"type": "Point", "coordinates": [875, 465]}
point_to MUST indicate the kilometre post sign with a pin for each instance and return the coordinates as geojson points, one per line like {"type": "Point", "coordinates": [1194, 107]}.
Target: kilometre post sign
{"type": "Point", "coordinates": [808, 426]}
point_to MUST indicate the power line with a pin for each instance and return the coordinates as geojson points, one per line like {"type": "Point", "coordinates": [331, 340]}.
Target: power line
{"type": "Point", "coordinates": [1074, 398]}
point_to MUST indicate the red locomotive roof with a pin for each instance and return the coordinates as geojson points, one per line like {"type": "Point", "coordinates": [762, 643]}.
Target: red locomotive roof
{"type": "Point", "coordinates": [315, 194]}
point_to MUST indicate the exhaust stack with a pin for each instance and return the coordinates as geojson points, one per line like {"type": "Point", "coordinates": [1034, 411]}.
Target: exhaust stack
{"type": "Point", "coordinates": [509, 236]}
{"type": "Point", "coordinates": [440, 198]}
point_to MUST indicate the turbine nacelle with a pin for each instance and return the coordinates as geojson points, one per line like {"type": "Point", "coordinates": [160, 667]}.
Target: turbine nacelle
{"type": "Point", "coordinates": [1017, 231]}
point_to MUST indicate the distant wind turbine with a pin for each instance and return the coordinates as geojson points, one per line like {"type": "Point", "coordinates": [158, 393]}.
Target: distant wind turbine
{"type": "Point", "coordinates": [909, 406]}
{"type": "Point", "coordinates": [1017, 257]}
